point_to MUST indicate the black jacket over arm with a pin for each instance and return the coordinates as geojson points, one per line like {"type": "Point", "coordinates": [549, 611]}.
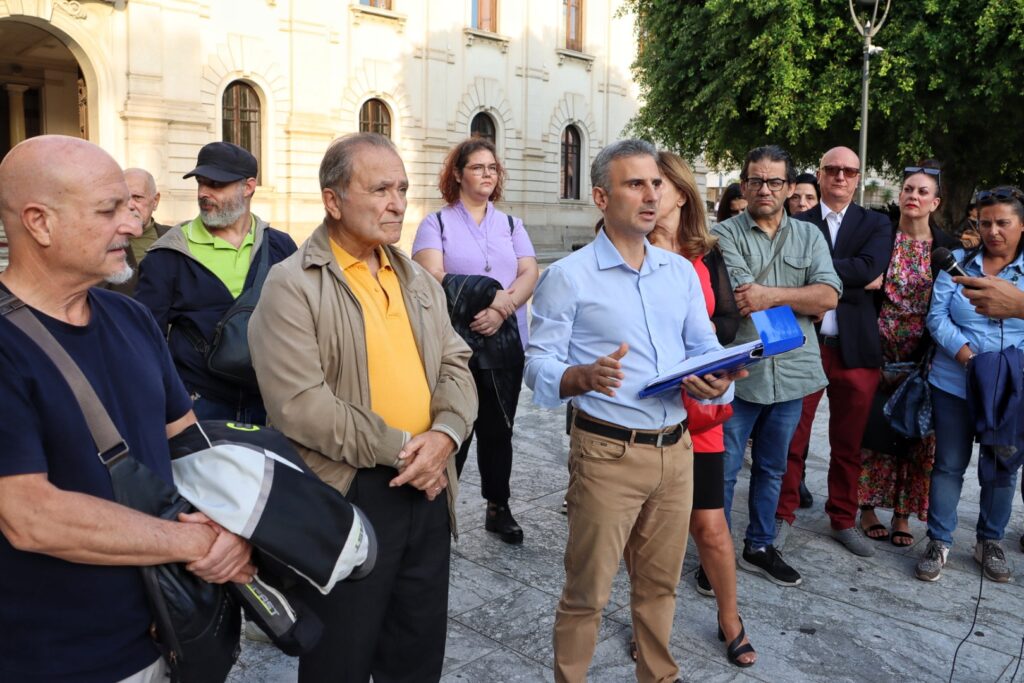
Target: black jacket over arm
{"type": "Point", "coordinates": [861, 254]}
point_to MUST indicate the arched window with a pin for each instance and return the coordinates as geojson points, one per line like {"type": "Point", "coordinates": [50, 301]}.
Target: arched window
{"type": "Point", "coordinates": [482, 126]}
{"type": "Point", "coordinates": [574, 25]}
{"type": "Point", "coordinates": [374, 117]}
{"type": "Point", "coordinates": [571, 163]}
{"type": "Point", "coordinates": [241, 113]}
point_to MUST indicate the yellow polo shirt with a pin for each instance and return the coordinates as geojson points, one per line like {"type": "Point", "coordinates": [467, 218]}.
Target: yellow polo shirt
{"type": "Point", "coordinates": [398, 382]}
{"type": "Point", "coordinates": [229, 263]}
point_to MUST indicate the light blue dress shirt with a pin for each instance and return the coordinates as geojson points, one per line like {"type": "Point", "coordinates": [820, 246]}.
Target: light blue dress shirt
{"type": "Point", "coordinates": [953, 322]}
{"type": "Point", "coordinates": [589, 302]}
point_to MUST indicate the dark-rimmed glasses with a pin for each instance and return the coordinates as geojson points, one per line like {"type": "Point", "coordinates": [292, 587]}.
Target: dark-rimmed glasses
{"type": "Point", "coordinates": [834, 171]}
{"type": "Point", "coordinates": [774, 184]}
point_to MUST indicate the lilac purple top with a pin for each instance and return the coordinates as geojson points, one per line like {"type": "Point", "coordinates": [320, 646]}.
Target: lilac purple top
{"type": "Point", "coordinates": [469, 248]}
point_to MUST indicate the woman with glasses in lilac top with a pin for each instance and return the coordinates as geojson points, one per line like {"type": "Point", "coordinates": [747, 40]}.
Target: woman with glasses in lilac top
{"type": "Point", "coordinates": [471, 237]}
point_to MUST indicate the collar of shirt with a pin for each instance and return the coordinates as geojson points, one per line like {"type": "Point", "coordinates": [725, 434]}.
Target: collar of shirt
{"type": "Point", "coordinates": [976, 264]}
{"type": "Point", "coordinates": [347, 260]}
{"type": "Point", "coordinates": [826, 210]}
{"type": "Point", "coordinates": [197, 233]}
{"type": "Point", "coordinates": [468, 217]}
{"type": "Point", "coordinates": [608, 256]}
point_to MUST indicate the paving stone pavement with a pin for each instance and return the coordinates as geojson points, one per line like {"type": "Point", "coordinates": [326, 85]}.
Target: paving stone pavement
{"type": "Point", "coordinates": [853, 619]}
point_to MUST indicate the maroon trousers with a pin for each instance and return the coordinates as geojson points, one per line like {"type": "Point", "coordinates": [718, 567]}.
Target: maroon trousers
{"type": "Point", "coordinates": [850, 392]}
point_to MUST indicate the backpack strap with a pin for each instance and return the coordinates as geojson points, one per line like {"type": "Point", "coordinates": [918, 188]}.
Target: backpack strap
{"type": "Point", "coordinates": [440, 223]}
{"type": "Point", "coordinates": [511, 225]}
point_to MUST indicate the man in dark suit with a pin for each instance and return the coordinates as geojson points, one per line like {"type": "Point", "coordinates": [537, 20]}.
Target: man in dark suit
{"type": "Point", "coordinates": [851, 351]}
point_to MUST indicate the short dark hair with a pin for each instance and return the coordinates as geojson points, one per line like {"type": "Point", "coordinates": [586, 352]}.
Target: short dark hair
{"type": "Point", "coordinates": [809, 179]}
{"type": "Point", "coordinates": [457, 159]}
{"type": "Point", "coordinates": [1004, 194]}
{"type": "Point", "coordinates": [732, 192]}
{"type": "Point", "coordinates": [771, 153]}
{"type": "Point", "coordinates": [599, 174]}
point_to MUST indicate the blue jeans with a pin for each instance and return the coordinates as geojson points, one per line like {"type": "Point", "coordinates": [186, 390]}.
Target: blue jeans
{"type": "Point", "coordinates": [954, 441]}
{"type": "Point", "coordinates": [772, 427]}
{"type": "Point", "coordinates": [208, 409]}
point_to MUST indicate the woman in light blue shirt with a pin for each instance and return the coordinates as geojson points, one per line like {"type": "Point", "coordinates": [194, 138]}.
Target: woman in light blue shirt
{"type": "Point", "coordinates": [960, 333]}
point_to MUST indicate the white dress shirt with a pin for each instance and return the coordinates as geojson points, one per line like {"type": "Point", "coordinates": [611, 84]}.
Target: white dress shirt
{"type": "Point", "coordinates": [829, 323]}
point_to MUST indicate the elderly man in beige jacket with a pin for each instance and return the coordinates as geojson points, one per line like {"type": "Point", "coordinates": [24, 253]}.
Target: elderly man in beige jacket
{"type": "Point", "coordinates": [359, 366]}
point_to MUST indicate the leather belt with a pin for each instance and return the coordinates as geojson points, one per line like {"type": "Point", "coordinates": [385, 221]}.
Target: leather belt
{"type": "Point", "coordinates": [828, 341]}
{"type": "Point", "coordinates": [647, 438]}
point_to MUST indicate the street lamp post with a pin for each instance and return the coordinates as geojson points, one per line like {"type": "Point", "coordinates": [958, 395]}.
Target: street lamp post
{"type": "Point", "coordinates": [867, 29]}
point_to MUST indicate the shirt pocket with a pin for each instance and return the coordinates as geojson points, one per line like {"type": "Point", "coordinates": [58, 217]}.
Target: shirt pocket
{"type": "Point", "coordinates": [796, 271]}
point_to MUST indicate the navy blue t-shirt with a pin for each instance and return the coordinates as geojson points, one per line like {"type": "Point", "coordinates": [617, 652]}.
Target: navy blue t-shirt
{"type": "Point", "coordinates": [62, 621]}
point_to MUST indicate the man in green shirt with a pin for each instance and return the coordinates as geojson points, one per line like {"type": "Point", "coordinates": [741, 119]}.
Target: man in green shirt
{"type": "Point", "coordinates": [192, 276]}
{"type": "Point", "coordinates": [773, 260]}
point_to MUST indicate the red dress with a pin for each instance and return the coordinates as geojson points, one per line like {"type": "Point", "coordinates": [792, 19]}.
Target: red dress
{"type": "Point", "coordinates": [713, 440]}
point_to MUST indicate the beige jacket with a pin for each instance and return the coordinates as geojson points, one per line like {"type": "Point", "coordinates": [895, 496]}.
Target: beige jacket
{"type": "Point", "coordinates": [308, 347]}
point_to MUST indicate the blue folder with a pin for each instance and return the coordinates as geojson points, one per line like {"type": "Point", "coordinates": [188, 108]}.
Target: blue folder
{"type": "Point", "coordinates": [777, 330]}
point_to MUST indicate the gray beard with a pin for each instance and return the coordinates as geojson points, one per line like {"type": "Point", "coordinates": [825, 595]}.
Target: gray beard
{"type": "Point", "coordinates": [122, 276]}
{"type": "Point", "coordinates": [222, 218]}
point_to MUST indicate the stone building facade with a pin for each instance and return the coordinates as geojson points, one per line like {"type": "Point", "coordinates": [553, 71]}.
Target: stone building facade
{"type": "Point", "coordinates": [153, 80]}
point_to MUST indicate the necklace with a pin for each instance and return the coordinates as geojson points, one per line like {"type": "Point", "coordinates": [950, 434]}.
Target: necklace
{"type": "Point", "coordinates": [485, 249]}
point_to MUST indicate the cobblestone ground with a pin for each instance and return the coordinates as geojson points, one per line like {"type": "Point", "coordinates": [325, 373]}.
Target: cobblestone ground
{"type": "Point", "coordinates": [853, 619]}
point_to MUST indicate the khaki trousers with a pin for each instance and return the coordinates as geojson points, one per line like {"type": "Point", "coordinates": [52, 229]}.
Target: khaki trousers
{"type": "Point", "coordinates": [624, 501]}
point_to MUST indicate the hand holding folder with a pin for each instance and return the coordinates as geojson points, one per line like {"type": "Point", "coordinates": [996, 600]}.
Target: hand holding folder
{"type": "Point", "coordinates": [777, 330]}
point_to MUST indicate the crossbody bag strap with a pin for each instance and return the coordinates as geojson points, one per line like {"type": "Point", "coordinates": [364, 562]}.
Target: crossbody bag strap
{"type": "Point", "coordinates": [264, 265]}
{"type": "Point", "coordinates": [111, 447]}
{"type": "Point", "coordinates": [775, 255]}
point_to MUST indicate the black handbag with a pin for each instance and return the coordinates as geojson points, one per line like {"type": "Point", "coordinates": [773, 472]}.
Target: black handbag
{"type": "Point", "coordinates": [196, 625]}
{"type": "Point", "coordinates": [909, 410]}
{"type": "Point", "coordinates": [227, 356]}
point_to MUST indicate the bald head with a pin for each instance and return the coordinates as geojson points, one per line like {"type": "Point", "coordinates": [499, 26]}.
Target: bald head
{"type": "Point", "coordinates": [142, 187]}
{"type": "Point", "coordinates": [838, 175]}
{"type": "Point", "coordinates": [64, 204]}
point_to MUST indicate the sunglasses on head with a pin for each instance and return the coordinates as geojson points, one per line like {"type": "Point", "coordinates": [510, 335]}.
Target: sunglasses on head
{"type": "Point", "coordinates": [999, 194]}
{"type": "Point", "coordinates": [834, 171]}
{"type": "Point", "coordinates": [911, 170]}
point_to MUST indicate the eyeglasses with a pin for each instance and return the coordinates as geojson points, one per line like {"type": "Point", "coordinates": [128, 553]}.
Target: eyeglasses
{"type": "Point", "coordinates": [774, 184]}
{"type": "Point", "coordinates": [1000, 194]}
{"type": "Point", "coordinates": [834, 171]}
{"type": "Point", "coordinates": [911, 170]}
{"type": "Point", "coordinates": [478, 169]}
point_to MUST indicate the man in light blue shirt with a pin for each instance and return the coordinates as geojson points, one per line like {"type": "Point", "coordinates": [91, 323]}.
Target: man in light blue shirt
{"type": "Point", "coordinates": [606, 320]}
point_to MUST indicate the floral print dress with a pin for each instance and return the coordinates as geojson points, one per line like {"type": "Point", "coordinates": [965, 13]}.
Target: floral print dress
{"type": "Point", "coordinates": [900, 480]}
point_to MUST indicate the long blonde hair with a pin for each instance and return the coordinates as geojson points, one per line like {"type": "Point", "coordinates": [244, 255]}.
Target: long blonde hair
{"type": "Point", "coordinates": [693, 236]}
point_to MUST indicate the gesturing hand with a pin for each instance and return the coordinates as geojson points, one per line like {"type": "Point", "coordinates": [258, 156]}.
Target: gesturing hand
{"type": "Point", "coordinates": [605, 374]}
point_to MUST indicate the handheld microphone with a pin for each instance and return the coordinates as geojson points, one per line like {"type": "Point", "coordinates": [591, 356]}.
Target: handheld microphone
{"type": "Point", "coordinates": [945, 260]}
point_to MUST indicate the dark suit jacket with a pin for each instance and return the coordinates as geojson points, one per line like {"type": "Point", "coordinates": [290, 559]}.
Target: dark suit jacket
{"type": "Point", "coordinates": [860, 255]}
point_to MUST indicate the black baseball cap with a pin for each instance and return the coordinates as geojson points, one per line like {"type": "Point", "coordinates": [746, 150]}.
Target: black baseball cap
{"type": "Point", "coordinates": [224, 163]}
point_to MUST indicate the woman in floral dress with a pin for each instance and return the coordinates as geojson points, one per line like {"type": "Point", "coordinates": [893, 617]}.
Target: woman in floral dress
{"type": "Point", "coordinates": [899, 479]}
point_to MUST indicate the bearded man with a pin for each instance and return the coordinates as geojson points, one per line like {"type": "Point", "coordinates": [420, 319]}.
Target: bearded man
{"type": "Point", "coordinates": [192, 275]}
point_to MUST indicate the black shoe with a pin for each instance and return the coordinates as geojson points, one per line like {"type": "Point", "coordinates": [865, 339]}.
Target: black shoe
{"type": "Point", "coordinates": [768, 563]}
{"type": "Point", "coordinates": [703, 585]}
{"type": "Point", "coordinates": [500, 521]}
{"type": "Point", "coordinates": [806, 499]}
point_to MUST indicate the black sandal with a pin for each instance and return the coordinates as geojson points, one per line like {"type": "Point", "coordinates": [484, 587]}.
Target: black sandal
{"type": "Point", "coordinates": [735, 650]}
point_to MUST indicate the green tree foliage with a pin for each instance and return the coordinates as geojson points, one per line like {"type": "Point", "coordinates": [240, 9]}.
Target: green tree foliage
{"type": "Point", "coordinates": [719, 77]}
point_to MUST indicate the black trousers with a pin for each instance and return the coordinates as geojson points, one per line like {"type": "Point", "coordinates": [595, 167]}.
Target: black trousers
{"type": "Point", "coordinates": [392, 624]}
{"type": "Point", "coordinates": [499, 395]}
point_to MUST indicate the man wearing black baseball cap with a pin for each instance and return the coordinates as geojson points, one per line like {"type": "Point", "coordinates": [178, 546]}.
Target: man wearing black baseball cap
{"type": "Point", "coordinates": [194, 273]}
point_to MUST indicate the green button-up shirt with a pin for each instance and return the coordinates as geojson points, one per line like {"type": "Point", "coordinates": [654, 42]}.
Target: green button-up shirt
{"type": "Point", "coordinates": [804, 260]}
